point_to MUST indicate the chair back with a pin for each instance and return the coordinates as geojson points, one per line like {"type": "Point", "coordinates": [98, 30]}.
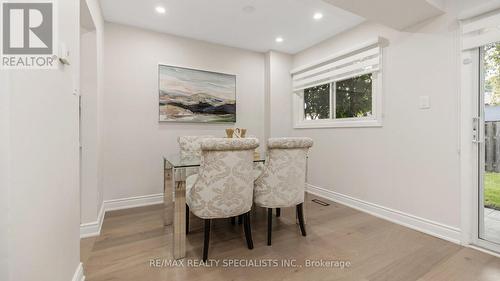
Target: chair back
{"type": "Point", "coordinates": [224, 187]}
{"type": "Point", "coordinates": [190, 146]}
{"type": "Point", "coordinates": [282, 183]}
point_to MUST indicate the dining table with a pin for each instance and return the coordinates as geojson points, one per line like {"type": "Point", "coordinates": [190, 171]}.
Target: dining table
{"type": "Point", "coordinates": [176, 169]}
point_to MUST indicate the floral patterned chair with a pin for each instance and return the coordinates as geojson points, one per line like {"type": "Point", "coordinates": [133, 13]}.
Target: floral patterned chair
{"type": "Point", "coordinates": [223, 188]}
{"type": "Point", "coordinates": [282, 183]}
{"type": "Point", "coordinates": [190, 145]}
{"type": "Point", "coordinates": [190, 149]}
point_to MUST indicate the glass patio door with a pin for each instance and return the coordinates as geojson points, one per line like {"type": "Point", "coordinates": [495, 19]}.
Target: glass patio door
{"type": "Point", "coordinates": [487, 126]}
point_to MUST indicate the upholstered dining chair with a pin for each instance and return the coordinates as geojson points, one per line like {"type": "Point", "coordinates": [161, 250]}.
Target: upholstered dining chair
{"type": "Point", "coordinates": [190, 149]}
{"type": "Point", "coordinates": [223, 187]}
{"type": "Point", "coordinates": [282, 183]}
{"type": "Point", "coordinates": [190, 145]}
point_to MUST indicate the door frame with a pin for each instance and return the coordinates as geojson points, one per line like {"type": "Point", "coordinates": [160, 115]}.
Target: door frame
{"type": "Point", "coordinates": [470, 179]}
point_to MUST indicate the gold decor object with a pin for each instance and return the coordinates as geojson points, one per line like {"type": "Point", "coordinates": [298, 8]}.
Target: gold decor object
{"type": "Point", "coordinates": [236, 133]}
{"type": "Point", "coordinates": [240, 133]}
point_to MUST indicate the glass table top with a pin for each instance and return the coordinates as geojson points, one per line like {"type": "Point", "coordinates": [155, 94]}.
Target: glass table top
{"type": "Point", "coordinates": [178, 161]}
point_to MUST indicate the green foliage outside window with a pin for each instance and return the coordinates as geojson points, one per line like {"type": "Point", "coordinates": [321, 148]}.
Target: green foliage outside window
{"type": "Point", "coordinates": [492, 72]}
{"type": "Point", "coordinates": [354, 97]}
{"type": "Point", "coordinates": [317, 102]}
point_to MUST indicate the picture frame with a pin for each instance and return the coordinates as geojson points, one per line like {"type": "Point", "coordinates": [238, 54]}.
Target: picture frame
{"type": "Point", "coordinates": [195, 95]}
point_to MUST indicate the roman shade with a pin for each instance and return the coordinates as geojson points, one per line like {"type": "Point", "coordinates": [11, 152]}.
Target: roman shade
{"type": "Point", "coordinates": [362, 59]}
{"type": "Point", "coordinates": [480, 31]}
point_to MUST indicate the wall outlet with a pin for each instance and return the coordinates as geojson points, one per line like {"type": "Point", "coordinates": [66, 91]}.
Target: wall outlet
{"type": "Point", "coordinates": [424, 102]}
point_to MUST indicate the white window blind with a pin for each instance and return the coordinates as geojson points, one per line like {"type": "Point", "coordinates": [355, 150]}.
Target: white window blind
{"type": "Point", "coordinates": [481, 31]}
{"type": "Point", "coordinates": [360, 60]}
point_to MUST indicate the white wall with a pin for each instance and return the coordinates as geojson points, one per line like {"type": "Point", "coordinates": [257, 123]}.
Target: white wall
{"type": "Point", "coordinates": [91, 54]}
{"type": "Point", "coordinates": [134, 141]}
{"type": "Point", "coordinates": [4, 173]}
{"type": "Point", "coordinates": [280, 88]}
{"type": "Point", "coordinates": [89, 134]}
{"type": "Point", "coordinates": [411, 164]}
{"type": "Point", "coordinates": [43, 184]}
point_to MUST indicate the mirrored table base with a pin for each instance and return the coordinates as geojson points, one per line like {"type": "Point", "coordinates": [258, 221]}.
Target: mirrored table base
{"type": "Point", "coordinates": [175, 207]}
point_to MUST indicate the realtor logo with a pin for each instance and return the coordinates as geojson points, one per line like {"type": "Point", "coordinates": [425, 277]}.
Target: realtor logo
{"type": "Point", "coordinates": [28, 35]}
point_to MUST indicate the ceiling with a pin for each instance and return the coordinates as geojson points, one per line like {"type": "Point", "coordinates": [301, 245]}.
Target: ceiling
{"type": "Point", "coordinates": [248, 24]}
{"type": "Point", "coordinates": [409, 12]}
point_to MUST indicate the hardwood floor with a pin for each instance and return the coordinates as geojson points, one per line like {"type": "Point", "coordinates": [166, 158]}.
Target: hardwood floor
{"type": "Point", "coordinates": [376, 249]}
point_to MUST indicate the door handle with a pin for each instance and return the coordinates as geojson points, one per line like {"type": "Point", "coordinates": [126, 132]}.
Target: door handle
{"type": "Point", "coordinates": [476, 131]}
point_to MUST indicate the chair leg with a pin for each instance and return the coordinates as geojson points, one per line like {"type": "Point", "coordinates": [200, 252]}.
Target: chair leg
{"type": "Point", "coordinates": [187, 219]}
{"type": "Point", "coordinates": [269, 225]}
{"type": "Point", "coordinates": [248, 230]}
{"type": "Point", "coordinates": [278, 212]}
{"type": "Point", "coordinates": [233, 220]}
{"type": "Point", "coordinates": [300, 214]}
{"type": "Point", "coordinates": [240, 219]}
{"type": "Point", "coordinates": [206, 241]}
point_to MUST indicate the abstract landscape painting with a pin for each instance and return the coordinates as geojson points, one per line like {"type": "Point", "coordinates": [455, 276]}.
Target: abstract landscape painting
{"type": "Point", "coordinates": [190, 95]}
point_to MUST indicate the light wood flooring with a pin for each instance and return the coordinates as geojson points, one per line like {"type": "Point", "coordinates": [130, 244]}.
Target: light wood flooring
{"type": "Point", "coordinates": [376, 249]}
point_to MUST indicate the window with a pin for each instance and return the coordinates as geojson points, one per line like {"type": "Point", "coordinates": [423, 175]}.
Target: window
{"type": "Point", "coordinates": [340, 91]}
{"type": "Point", "coordinates": [353, 97]}
{"type": "Point", "coordinates": [317, 102]}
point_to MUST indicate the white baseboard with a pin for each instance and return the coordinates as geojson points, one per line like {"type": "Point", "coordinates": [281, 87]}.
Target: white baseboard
{"type": "Point", "coordinates": [78, 276]}
{"type": "Point", "coordinates": [91, 229]}
{"type": "Point", "coordinates": [484, 250]}
{"type": "Point", "coordinates": [94, 228]}
{"type": "Point", "coordinates": [433, 228]}
{"type": "Point", "coordinates": [132, 202]}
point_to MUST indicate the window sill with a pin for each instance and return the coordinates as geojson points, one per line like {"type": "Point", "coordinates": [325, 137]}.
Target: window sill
{"type": "Point", "coordinates": [337, 124]}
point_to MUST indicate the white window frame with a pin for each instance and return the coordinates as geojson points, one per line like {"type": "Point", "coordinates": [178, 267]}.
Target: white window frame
{"type": "Point", "coordinates": [360, 51]}
{"type": "Point", "coordinates": [375, 120]}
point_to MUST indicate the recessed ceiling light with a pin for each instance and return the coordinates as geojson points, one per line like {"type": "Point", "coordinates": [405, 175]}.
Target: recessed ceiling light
{"type": "Point", "coordinates": [317, 16]}
{"type": "Point", "coordinates": [160, 9]}
{"type": "Point", "coordinates": [279, 39]}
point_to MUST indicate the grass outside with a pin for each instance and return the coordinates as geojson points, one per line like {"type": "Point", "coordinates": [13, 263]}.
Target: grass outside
{"type": "Point", "coordinates": [492, 190]}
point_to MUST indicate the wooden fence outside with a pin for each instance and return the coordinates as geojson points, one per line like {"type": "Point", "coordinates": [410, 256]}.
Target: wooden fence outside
{"type": "Point", "coordinates": [492, 146]}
